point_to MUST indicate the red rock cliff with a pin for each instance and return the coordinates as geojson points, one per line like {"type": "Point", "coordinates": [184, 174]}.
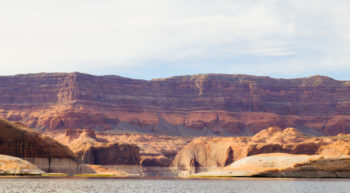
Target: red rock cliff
{"type": "Point", "coordinates": [186, 105]}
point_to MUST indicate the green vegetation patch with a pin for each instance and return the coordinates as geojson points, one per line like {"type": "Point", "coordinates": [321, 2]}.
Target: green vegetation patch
{"type": "Point", "coordinates": [54, 175]}
{"type": "Point", "coordinates": [94, 175]}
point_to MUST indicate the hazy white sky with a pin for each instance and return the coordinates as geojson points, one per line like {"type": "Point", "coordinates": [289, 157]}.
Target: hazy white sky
{"type": "Point", "coordinates": [160, 38]}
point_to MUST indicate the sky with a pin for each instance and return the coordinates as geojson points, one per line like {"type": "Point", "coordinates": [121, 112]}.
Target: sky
{"type": "Point", "coordinates": [161, 38]}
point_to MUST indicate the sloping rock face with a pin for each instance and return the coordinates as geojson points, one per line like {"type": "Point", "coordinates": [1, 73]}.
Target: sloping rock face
{"type": "Point", "coordinates": [212, 104]}
{"type": "Point", "coordinates": [39, 149]}
{"type": "Point", "coordinates": [286, 165]}
{"type": "Point", "coordinates": [210, 153]}
{"type": "Point", "coordinates": [20, 141]}
{"type": "Point", "coordinates": [10, 165]}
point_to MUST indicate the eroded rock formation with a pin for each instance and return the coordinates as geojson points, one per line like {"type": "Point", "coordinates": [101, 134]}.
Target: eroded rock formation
{"type": "Point", "coordinates": [112, 154]}
{"type": "Point", "coordinates": [212, 104]}
{"type": "Point", "coordinates": [210, 153]}
{"type": "Point", "coordinates": [101, 148]}
{"type": "Point", "coordinates": [49, 155]}
{"type": "Point", "coordinates": [286, 165]}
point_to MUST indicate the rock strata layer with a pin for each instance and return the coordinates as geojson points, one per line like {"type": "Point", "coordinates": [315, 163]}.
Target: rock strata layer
{"type": "Point", "coordinates": [211, 104]}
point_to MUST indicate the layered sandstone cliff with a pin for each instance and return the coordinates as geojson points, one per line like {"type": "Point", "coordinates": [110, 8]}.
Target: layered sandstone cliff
{"type": "Point", "coordinates": [211, 104]}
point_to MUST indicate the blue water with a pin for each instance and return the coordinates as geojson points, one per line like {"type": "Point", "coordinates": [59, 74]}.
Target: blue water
{"type": "Point", "coordinates": [22, 185]}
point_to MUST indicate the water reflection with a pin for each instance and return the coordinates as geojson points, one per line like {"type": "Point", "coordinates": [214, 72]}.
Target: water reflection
{"type": "Point", "coordinates": [239, 185]}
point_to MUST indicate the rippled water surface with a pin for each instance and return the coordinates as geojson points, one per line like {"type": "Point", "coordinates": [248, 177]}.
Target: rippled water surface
{"type": "Point", "coordinates": [197, 186]}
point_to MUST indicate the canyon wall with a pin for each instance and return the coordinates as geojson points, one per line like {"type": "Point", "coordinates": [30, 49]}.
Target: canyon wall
{"type": "Point", "coordinates": [198, 105]}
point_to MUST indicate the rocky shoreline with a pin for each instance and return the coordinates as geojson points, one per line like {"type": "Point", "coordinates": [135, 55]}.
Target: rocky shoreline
{"type": "Point", "coordinates": [273, 152]}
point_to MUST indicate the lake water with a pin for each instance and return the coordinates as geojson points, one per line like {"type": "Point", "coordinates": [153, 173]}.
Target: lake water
{"type": "Point", "coordinates": [23, 185]}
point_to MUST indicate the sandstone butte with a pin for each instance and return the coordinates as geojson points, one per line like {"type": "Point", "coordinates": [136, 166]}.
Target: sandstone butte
{"type": "Point", "coordinates": [205, 154]}
{"type": "Point", "coordinates": [197, 105]}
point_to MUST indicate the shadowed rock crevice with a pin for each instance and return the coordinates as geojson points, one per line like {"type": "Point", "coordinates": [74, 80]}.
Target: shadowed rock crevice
{"type": "Point", "coordinates": [195, 166]}
{"type": "Point", "coordinates": [230, 157]}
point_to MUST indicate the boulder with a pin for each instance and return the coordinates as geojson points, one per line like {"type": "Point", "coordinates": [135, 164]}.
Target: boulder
{"type": "Point", "coordinates": [10, 165]}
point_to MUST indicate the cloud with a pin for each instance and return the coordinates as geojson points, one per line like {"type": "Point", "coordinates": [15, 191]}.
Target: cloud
{"type": "Point", "coordinates": [163, 37]}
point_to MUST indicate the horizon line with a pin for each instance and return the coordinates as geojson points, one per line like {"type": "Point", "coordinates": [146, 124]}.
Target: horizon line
{"type": "Point", "coordinates": [176, 76]}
